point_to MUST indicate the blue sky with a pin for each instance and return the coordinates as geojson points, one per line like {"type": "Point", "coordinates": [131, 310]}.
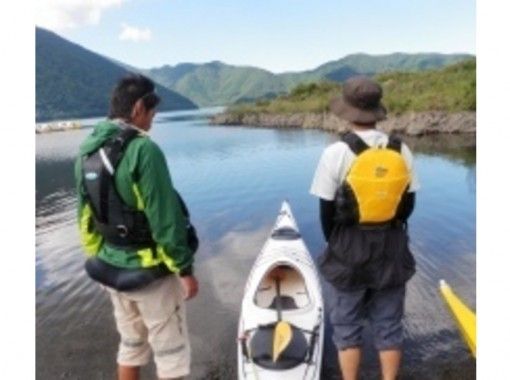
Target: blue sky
{"type": "Point", "coordinates": [278, 35]}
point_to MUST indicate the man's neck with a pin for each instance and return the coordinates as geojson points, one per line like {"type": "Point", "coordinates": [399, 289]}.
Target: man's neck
{"type": "Point", "coordinates": [127, 123]}
{"type": "Point", "coordinates": [362, 127]}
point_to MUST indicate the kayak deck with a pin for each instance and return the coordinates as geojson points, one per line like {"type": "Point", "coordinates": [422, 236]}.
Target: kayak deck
{"type": "Point", "coordinates": [281, 323]}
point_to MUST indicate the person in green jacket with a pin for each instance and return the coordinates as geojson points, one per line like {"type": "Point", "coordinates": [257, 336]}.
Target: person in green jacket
{"type": "Point", "coordinates": [135, 231]}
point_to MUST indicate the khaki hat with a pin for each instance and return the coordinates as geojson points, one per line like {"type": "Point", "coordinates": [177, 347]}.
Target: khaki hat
{"type": "Point", "coordinates": [360, 101]}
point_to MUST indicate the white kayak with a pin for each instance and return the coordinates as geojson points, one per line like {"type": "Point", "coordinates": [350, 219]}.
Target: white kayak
{"type": "Point", "coordinates": [283, 288]}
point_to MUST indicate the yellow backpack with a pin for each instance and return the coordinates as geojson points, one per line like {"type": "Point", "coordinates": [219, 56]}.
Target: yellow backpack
{"type": "Point", "coordinates": [378, 178]}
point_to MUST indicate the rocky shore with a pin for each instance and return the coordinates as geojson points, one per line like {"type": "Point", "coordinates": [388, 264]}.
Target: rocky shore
{"type": "Point", "coordinates": [57, 126]}
{"type": "Point", "coordinates": [412, 123]}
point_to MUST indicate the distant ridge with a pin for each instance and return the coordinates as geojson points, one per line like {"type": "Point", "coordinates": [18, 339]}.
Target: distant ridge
{"type": "Point", "coordinates": [73, 82]}
{"type": "Point", "coordinates": [217, 83]}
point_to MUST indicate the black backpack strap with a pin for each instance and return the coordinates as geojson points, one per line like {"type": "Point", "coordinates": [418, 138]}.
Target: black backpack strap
{"type": "Point", "coordinates": [118, 144]}
{"type": "Point", "coordinates": [394, 143]}
{"type": "Point", "coordinates": [355, 143]}
{"type": "Point", "coordinates": [114, 149]}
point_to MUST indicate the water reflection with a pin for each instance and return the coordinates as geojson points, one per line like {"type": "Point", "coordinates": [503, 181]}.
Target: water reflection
{"type": "Point", "coordinates": [458, 148]}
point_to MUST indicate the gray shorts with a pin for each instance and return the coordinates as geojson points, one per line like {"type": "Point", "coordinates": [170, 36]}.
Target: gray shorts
{"type": "Point", "coordinates": [384, 310]}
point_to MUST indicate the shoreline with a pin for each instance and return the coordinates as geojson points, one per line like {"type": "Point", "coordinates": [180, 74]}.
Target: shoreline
{"type": "Point", "coordinates": [57, 126]}
{"type": "Point", "coordinates": [409, 123]}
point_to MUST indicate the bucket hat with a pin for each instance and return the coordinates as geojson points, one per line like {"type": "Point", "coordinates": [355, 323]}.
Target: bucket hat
{"type": "Point", "coordinates": [360, 101]}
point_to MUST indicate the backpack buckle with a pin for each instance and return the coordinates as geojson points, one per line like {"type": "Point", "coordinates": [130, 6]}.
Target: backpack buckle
{"type": "Point", "coordinates": [122, 230]}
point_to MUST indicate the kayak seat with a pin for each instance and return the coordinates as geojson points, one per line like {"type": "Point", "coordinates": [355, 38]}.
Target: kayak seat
{"type": "Point", "coordinates": [261, 348]}
{"type": "Point", "coordinates": [287, 303]}
{"type": "Point", "coordinates": [285, 233]}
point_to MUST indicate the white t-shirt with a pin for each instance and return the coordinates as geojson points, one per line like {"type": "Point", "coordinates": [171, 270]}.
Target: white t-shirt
{"type": "Point", "coordinates": [337, 158]}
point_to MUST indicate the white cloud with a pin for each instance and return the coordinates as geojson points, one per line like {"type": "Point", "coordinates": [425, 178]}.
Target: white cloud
{"type": "Point", "coordinates": [131, 33]}
{"type": "Point", "coordinates": [64, 14]}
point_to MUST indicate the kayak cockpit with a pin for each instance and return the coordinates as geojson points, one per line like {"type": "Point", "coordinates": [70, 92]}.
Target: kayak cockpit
{"type": "Point", "coordinates": [291, 295]}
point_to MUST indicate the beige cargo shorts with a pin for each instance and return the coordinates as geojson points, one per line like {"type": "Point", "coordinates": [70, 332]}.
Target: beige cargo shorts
{"type": "Point", "coordinates": [153, 317]}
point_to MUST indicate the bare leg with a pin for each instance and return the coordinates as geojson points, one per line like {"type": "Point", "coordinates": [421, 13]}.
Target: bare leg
{"type": "Point", "coordinates": [349, 359]}
{"type": "Point", "coordinates": [128, 373]}
{"type": "Point", "coordinates": [390, 363]}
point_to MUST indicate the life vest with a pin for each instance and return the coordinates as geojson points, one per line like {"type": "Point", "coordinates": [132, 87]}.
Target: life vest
{"type": "Point", "coordinates": [121, 225]}
{"type": "Point", "coordinates": [375, 185]}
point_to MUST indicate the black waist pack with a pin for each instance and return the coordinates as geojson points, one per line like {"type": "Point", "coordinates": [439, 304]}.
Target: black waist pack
{"type": "Point", "coordinates": [120, 278]}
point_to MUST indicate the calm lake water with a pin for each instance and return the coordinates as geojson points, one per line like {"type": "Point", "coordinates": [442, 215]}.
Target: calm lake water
{"type": "Point", "coordinates": [234, 180]}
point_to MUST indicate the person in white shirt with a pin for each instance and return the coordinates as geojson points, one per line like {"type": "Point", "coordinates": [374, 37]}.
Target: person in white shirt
{"type": "Point", "coordinates": [364, 213]}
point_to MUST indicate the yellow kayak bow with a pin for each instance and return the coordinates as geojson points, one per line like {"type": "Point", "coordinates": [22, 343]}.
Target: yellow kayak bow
{"type": "Point", "coordinates": [465, 318]}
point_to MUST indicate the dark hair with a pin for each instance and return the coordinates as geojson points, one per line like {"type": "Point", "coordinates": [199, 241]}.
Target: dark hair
{"type": "Point", "coordinates": [365, 125]}
{"type": "Point", "coordinates": [128, 91]}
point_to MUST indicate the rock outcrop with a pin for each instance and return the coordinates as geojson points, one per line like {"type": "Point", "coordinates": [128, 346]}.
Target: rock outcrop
{"type": "Point", "coordinates": [412, 123]}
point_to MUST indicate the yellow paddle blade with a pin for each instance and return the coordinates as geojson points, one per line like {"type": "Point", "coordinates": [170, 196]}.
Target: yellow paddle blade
{"type": "Point", "coordinates": [465, 318]}
{"type": "Point", "coordinates": [281, 338]}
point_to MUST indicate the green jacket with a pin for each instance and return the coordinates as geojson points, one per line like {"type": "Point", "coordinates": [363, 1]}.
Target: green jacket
{"type": "Point", "coordinates": [152, 192]}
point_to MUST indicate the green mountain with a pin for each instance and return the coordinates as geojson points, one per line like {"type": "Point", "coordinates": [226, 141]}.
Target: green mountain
{"type": "Point", "coordinates": [451, 88]}
{"type": "Point", "coordinates": [74, 82]}
{"type": "Point", "coordinates": [216, 83]}
{"type": "Point", "coordinates": [374, 64]}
